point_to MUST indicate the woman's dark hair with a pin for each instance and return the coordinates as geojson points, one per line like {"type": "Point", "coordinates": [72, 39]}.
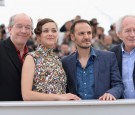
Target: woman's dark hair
{"type": "Point", "coordinates": [38, 29]}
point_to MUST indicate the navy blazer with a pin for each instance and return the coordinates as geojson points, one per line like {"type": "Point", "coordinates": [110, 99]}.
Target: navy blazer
{"type": "Point", "coordinates": [118, 51]}
{"type": "Point", "coordinates": [106, 73]}
{"type": "Point", "coordinates": [10, 72]}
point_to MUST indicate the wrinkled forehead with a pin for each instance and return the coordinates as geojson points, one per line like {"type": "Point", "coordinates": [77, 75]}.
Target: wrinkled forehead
{"type": "Point", "coordinates": [128, 21]}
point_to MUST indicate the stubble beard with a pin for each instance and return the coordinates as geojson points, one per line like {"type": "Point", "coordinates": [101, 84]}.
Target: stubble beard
{"type": "Point", "coordinates": [84, 47]}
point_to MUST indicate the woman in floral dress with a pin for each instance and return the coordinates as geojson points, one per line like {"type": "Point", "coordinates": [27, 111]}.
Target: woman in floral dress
{"type": "Point", "coordinates": [43, 77]}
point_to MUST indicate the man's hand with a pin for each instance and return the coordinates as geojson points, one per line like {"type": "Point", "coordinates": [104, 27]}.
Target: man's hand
{"type": "Point", "coordinates": [107, 97]}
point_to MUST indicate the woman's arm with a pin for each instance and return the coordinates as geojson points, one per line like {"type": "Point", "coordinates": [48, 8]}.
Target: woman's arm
{"type": "Point", "coordinates": [27, 82]}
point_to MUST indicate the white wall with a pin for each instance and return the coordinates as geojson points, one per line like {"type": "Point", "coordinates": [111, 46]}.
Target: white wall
{"type": "Point", "coordinates": [106, 11]}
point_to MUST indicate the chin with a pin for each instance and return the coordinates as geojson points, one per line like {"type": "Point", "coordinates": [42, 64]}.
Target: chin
{"type": "Point", "coordinates": [86, 46]}
{"type": "Point", "coordinates": [22, 42]}
{"type": "Point", "coordinates": [50, 45]}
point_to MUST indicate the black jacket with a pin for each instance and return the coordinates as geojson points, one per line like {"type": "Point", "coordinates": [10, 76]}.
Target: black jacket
{"type": "Point", "coordinates": [118, 51]}
{"type": "Point", "coordinates": [10, 72]}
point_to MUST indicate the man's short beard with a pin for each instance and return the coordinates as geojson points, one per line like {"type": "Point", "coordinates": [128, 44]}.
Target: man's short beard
{"type": "Point", "coordinates": [84, 47]}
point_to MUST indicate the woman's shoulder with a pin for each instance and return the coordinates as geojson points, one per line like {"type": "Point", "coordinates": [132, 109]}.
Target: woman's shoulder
{"type": "Point", "coordinates": [34, 54]}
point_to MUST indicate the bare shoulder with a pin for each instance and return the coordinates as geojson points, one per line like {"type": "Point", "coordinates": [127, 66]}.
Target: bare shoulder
{"type": "Point", "coordinates": [29, 60]}
{"type": "Point", "coordinates": [29, 57]}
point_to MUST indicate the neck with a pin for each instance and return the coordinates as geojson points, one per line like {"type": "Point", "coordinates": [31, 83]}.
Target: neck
{"type": "Point", "coordinates": [128, 49]}
{"type": "Point", "coordinates": [20, 47]}
{"type": "Point", "coordinates": [83, 56]}
{"type": "Point", "coordinates": [83, 53]}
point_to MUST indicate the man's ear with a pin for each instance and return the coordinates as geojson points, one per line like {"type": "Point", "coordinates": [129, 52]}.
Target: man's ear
{"type": "Point", "coordinates": [119, 35]}
{"type": "Point", "coordinates": [72, 37]}
{"type": "Point", "coordinates": [9, 29]}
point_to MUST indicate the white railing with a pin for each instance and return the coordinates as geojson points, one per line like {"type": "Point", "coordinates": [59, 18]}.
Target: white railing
{"type": "Point", "coordinates": [83, 107]}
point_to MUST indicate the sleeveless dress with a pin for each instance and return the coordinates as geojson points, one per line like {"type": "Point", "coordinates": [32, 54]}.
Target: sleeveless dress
{"type": "Point", "coordinates": [49, 75]}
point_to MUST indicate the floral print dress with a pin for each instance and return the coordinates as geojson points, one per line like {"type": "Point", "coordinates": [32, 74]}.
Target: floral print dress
{"type": "Point", "coordinates": [49, 76]}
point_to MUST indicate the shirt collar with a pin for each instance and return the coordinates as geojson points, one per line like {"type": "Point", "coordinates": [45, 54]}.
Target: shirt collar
{"type": "Point", "coordinates": [123, 50]}
{"type": "Point", "coordinates": [25, 50]}
{"type": "Point", "coordinates": [43, 50]}
{"type": "Point", "coordinates": [92, 54]}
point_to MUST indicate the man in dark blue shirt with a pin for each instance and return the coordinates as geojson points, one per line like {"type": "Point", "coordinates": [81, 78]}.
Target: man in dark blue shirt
{"type": "Point", "coordinates": [91, 74]}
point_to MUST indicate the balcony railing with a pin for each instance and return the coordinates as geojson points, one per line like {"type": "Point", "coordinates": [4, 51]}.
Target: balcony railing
{"type": "Point", "coordinates": [83, 107]}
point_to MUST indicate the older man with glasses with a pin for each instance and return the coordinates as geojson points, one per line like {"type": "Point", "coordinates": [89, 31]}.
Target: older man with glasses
{"type": "Point", "coordinates": [12, 53]}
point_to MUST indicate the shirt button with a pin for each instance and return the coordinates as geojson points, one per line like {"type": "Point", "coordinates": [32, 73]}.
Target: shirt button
{"type": "Point", "coordinates": [84, 72]}
{"type": "Point", "coordinates": [85, 94]}
{"type": "Point", "coordinates": [84, 83]}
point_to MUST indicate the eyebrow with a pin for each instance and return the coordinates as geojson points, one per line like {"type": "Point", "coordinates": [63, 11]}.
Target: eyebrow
{"type": "Point", "coordinates": [48, 28]}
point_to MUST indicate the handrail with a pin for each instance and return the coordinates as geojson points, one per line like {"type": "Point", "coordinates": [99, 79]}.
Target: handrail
{"type": "Point", "coordinates": [86, 107]}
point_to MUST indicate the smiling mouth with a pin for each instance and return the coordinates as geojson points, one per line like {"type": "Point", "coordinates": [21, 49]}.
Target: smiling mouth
{"type": "Point", "coordinates": [86, 42]}
{"type": "Point", "coordinates": [22, 36]}
{"type": "Point", "coordinates": [50, 38]}
{"type": "Point", "coordinates": [132, 40]}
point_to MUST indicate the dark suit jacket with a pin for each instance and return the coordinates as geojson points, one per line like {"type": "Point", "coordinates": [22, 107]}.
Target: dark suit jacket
{"type": "Point", "coordinates": [10, 72]}
{"type": "Point", "coordinates": [106, 73]}
{"type": "Point", "coordinates": [118, 51]}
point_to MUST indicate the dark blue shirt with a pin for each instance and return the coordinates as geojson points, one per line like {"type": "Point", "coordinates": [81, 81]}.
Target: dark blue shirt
{"type": "Point", "coordinates": [85, 78]}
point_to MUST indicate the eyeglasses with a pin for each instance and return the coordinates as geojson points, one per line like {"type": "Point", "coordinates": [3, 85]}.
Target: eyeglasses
{"type": "Point", "coordinates": [19, 26]}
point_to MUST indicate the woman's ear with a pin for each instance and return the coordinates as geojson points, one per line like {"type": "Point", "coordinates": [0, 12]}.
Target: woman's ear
{"type": "Point", "coordinates": [38, 38]}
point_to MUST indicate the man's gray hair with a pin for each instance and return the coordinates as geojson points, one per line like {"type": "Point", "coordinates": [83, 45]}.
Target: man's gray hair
{"type": "Point", "coordinates": [120, 21]}
{"type": "Point", "coordinates": [11, 20]}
